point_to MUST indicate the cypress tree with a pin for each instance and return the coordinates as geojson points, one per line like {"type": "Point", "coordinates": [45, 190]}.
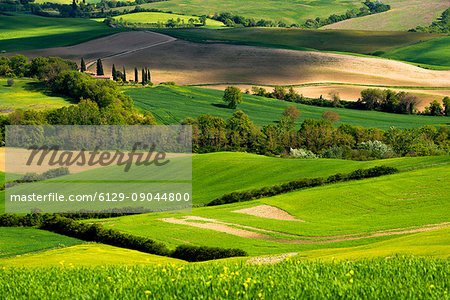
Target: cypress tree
{"type": "Point", "coordinates": [100, 67]}
{"type": "Point", "coordinates": [124, 74]}
{"type": "Point", "coordinates": [149, 78]}
{"type": "Point", "coordinates": [143, 77]}
{"type": "Point", "coordinates": [114, 72]}
{"type": "Point", "coordinates": [83, 65]}
{"type": "Point", "coordinates": [136, 75]}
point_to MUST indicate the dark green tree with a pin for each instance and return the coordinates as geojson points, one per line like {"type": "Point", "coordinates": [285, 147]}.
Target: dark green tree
{"type": "Point", "coordinates": [100, 67]}
{"type": "Point", "coordinates": [83, 65]}
{"type": "Point", "coordinates": [446, 102]}
{"type": "Point", "coordinates": [149, 78]}
{"type": "Point", "coordinates": [232, 96]}
{"type": "Point", "coordinates": [136, 75]}
{"type": "Point", "coordinates": [114, 72]}
{"type": "Point", "coordinates": [124, 74]}
{"type": "Point", "coordinates": [143, 77]}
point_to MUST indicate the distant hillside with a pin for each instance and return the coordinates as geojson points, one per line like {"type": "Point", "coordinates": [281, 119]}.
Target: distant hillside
{"type": "Point", "coordinates": [404, 15]}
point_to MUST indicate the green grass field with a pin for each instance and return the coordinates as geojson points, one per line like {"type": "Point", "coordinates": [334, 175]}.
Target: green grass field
{"type": "Point", "coordinates": [287, 11]}
{"type": "Point", "coordinates": [396, 278]}
{"type": "Point", "coordinates": [403, 16]}
{"type": "Point", "coordinates": [25, 32]}
{"type": "Point", "coordinates": [155, 17]}
{"type": "Point", "coordinates": [432, 52]}
{"type": "Point", "coordinates": [413, 198]}
{"type": "Point", "coordinates": [351, 41]}
{"type": "Point", "coordinates": [89, 255]}
{"type": "Point", "coordinates": [169, 105]}
{"type": "Point", "coordinates": [19, 241]}
{"type": "Point", "coordinates": [28, 94]}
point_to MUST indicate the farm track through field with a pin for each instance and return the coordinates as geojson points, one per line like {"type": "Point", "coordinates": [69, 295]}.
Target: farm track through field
{"type": "Point", "coordinates": [268, 235]}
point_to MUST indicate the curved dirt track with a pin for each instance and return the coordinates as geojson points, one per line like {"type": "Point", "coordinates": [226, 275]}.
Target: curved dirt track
{"type": "Point", "coordinates": [264, 234]}
{"type": "Point", "coordinates": [194, 63]}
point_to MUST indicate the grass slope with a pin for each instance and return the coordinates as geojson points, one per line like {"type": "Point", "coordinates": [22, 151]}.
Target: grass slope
{"type": "Point", "coordinates": [27, 94]}
{"type": "Point", "coordinates": [24, 32]}
{"type": "Point", "coordinates": [434, 243]}
{"type": "Point", "coordinates": [155, 17]}
{"type": "Point", "coordinates": [88, 255]}
{"type": "Point", "coordinates": [19, 241]}
{"type": "Point", "coordinates": [403, 15]}
{"type": "Point", "coordinates": [352, 41]}
{"type": "Point", "coordinates": [169, 105]}
{"type": "Point", "coordinates": [432, 52]}
{"type": "Point", "coordinates": [413, 198]}
{"type": "Point", "coordinates": [289, 11]}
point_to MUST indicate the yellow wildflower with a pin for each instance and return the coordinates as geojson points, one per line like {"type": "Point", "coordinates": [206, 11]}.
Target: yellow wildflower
{"type": "Point", "coordinates": [352, 272]}
{"type": "Point", "coordinates": [432, 286]}
{"type": "Point", "coordinates": [351, 280]}
{"type": "Point", "coordinates": [147, 292]}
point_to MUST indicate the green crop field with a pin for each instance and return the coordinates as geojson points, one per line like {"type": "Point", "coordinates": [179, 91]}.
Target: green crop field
{"type": "Point", "coordinates": [293, 279]}
{"type": "Point", "coordinates": [432, 52]}
{"type": "Point", "coordinates": [19, 241]}
{"type": "Point", "coordinates": [289, 11]}
{"type": "Point", "coordinates": [28, 94]}
{"type": "Point", "coordinates": [25, 32]}
{"type": "Point", "coordinates": [330, 213]}
{"type": "Point", "coordinates": [170, 104]}
{"type": "Point", "coordinates": [155, 17]}
{"type": "Point", "coordinates": [352, 41]}
{"type": "Point", "coordinates": [86, 255]}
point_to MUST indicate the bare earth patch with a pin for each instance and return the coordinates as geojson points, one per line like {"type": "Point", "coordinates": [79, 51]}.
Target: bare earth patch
{"type": "Point", "coordinates": [193, 63]}
{"type": "Point", "coordinates": [269, 212]}
{"type": "Point", "coordinates": [270, 259]}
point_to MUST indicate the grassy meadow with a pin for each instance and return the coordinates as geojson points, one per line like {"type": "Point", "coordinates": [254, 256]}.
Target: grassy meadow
{"type": "Point", "coordinates": [22, 241]}
{"type": "Point", "coordinates": [351, 41]}
{"type": "Point", "coordinates": [404, 15]}
{"type": "Point", "coordinates": [294, 279]}
{"type": "Point", "coordinates": [287, 11]}
{"type": "Point", "coordinates": [170, 104]}
{"type": "Point", "coordinates": [432, 52]}
{"type": "Point", "coordinates": [156, 17]}
{"type": "Point", "coordinates": [28, 94]}
{"type": "Point", "coordinates": [25, 32]}
{"type": "Point", "coordinates": [339, 215]}
{"type": "Point", "coordinates": [88, 255]}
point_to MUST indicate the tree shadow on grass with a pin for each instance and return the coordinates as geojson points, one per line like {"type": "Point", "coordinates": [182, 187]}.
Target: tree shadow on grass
{"type": "Point", "coordinates": [220, 105]}
{"type": "Point", "coordinates": [42, 88]}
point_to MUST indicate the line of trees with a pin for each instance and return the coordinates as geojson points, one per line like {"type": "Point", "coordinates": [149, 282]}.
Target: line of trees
{"type": "Point", "coordinates": [371, 99]}
{"type": "Point", "coordinates": [238, 133]}
{"type": "Point", "coordinates": [301, 184]}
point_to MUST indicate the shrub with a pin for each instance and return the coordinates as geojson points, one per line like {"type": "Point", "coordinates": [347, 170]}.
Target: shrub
{"type": "Point", "coordinates": [331, 115]}
{"type": "Point", "coordinates": [377, 149]}
{"type": "Point", "coordinates": [302, 153]}
{"type": "Point", "coordinates": [195, 253]}
{"type": "Point", "coordinates": [10, 82]}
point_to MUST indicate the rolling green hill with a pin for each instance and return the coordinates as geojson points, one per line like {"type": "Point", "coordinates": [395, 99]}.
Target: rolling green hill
{"type": "Point", "coordinates": [87, 255]}
{"type": "Point", "coordinates": [432, 52]}
{"type": "Point", "coordinates": [352, 41]}
{"type": "Point", "coordinates": [341, 215]}
{"type": "Point", "coordinates": [156, 17]}
{"type": "Point", "coordinates": [19, 241]}
{"type": "Point", "coordinates": [287, 11]}
{"type": "Point", "coordinates": [170, 104]}
{"type": "Point", "coordinates": [28, 94]}
{"type": "Point", "coordinates": [25, 32]}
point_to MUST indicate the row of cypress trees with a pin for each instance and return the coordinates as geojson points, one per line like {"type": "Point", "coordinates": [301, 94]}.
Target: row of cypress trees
{"type": "Point", "coordinates": [146, 76]}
